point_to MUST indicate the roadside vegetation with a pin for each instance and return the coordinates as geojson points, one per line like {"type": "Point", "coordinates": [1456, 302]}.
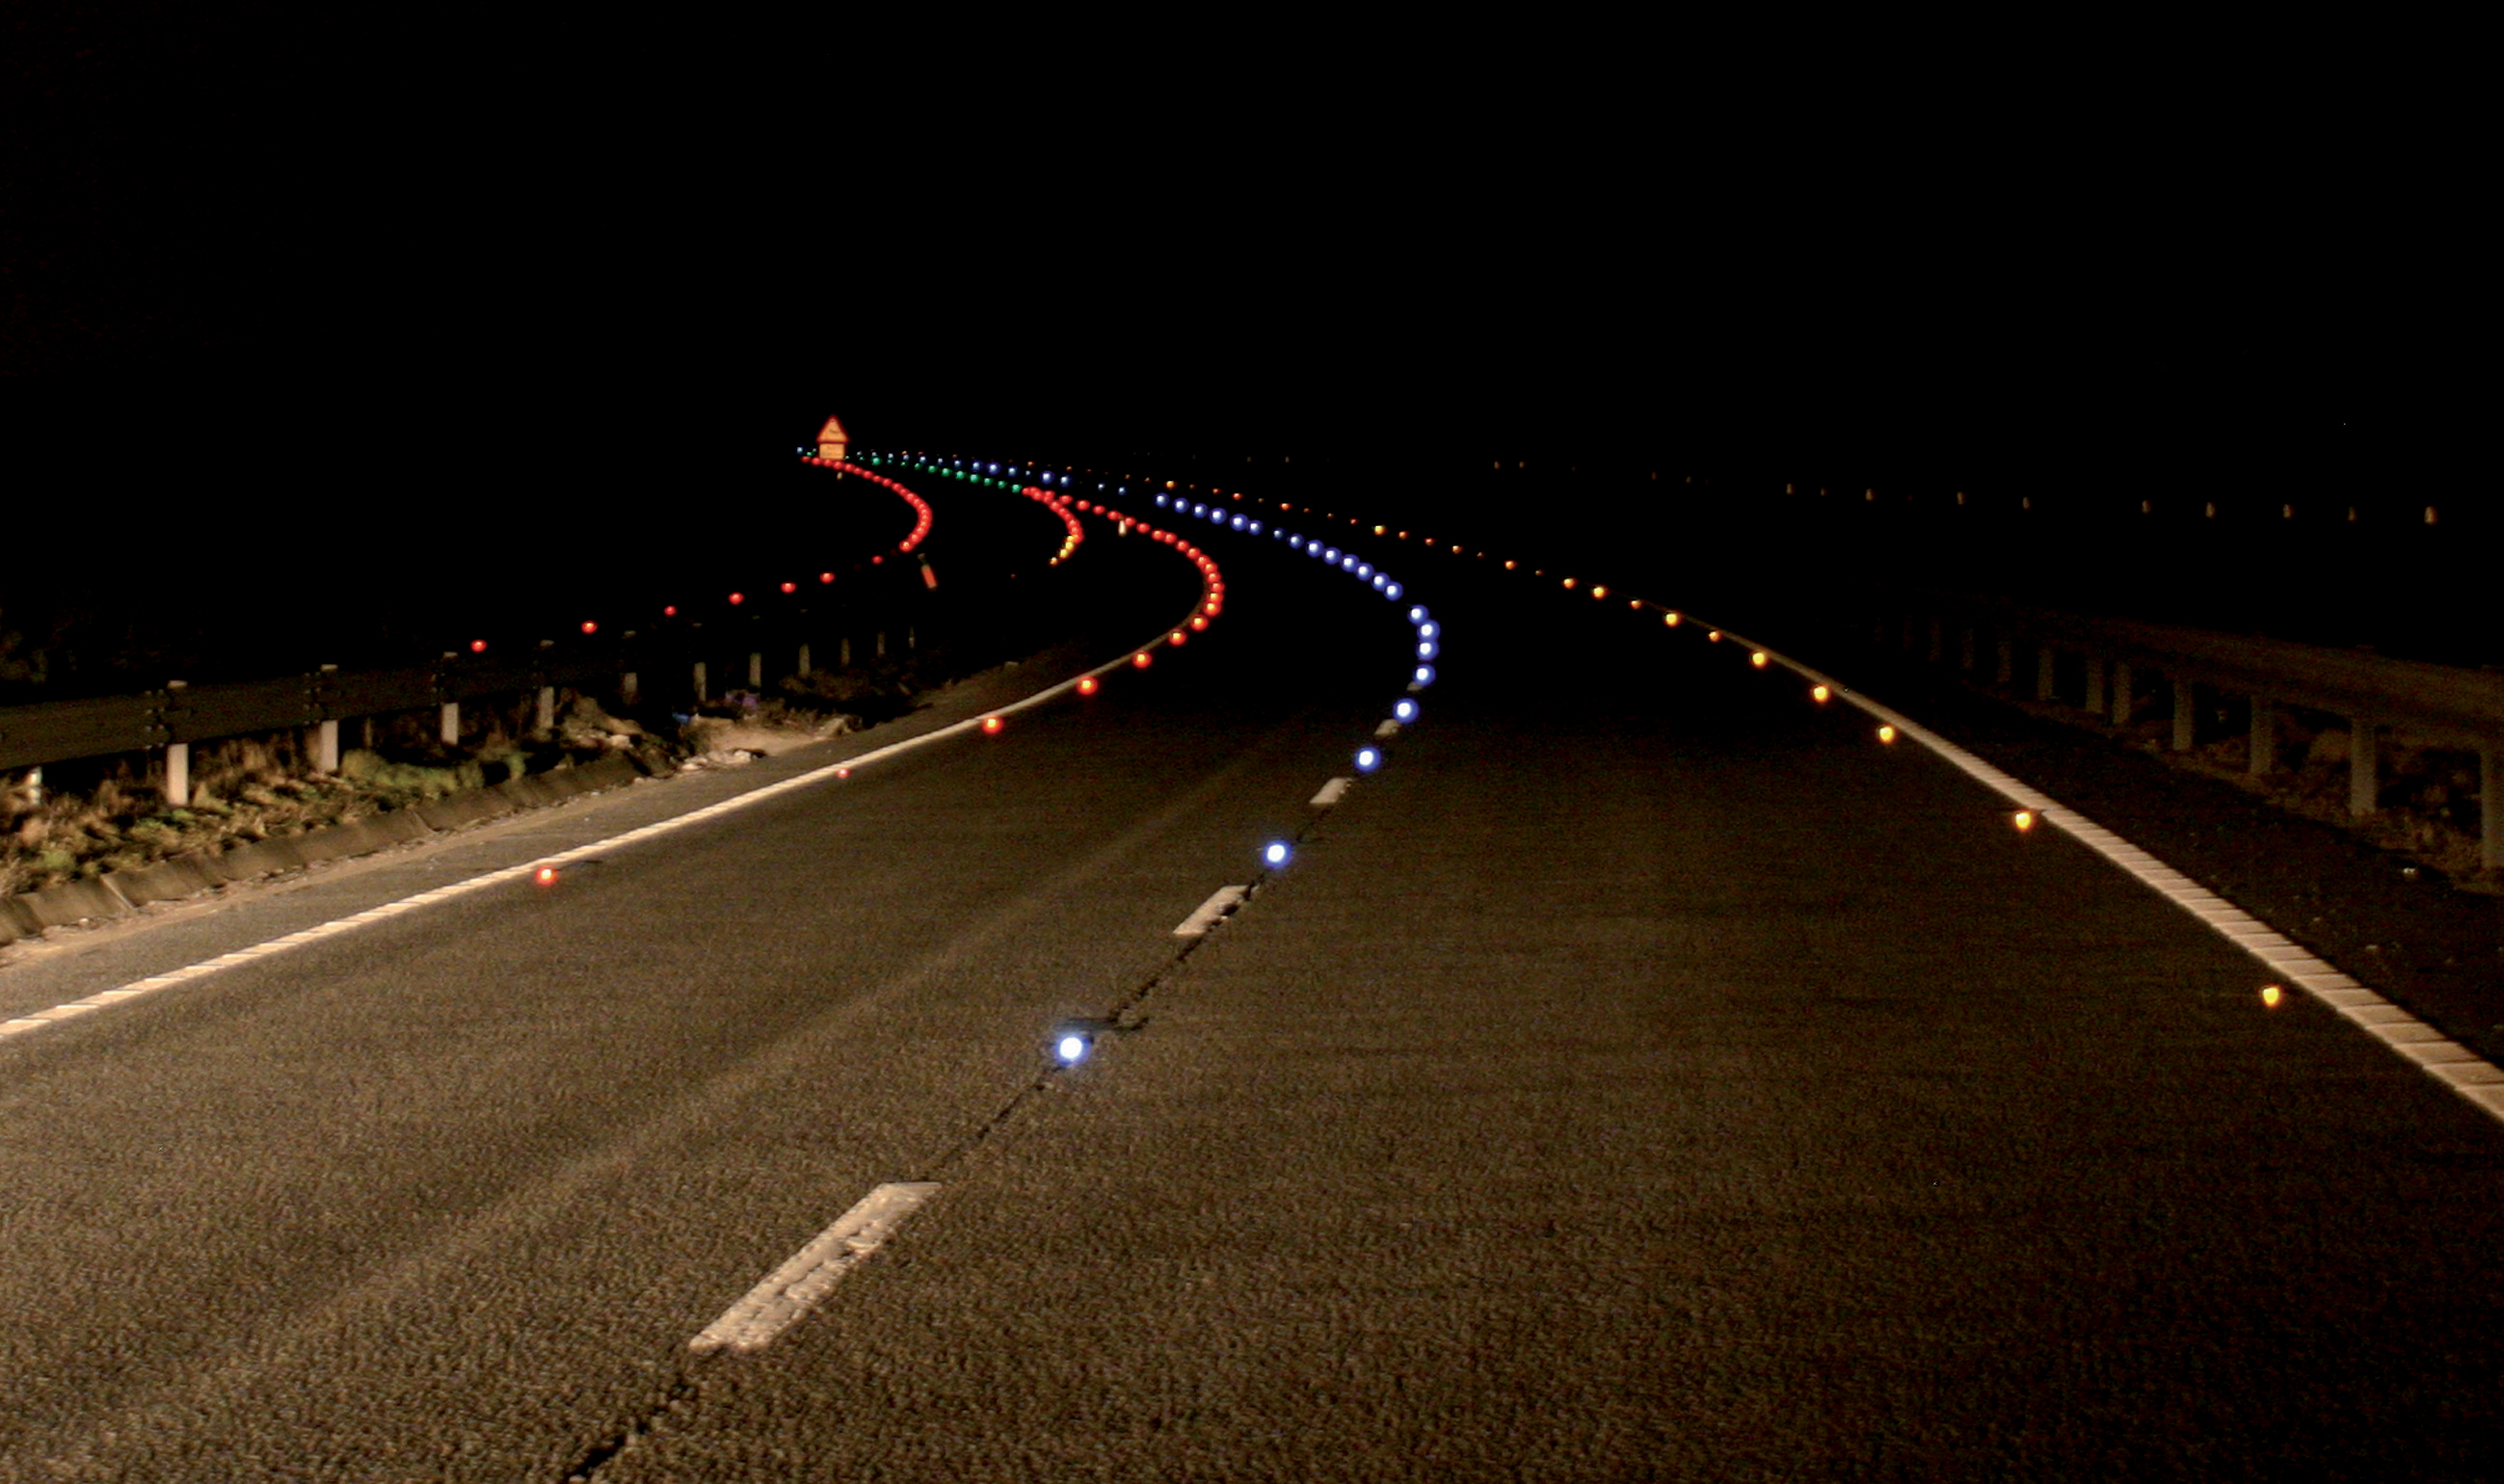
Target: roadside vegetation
{"type": "Point", "coordinates": [94, 817]}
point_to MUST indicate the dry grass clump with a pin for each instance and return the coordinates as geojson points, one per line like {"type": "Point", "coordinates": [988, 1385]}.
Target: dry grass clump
{"type": "Point", "coordinates": [2427, 805]}
{"type": "Point", "coordinates": [261, 788]}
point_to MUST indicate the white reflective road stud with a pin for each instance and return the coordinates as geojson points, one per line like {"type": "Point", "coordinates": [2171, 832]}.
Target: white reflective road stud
{"type": "Point", "coordinates": [771, 1306]}
{"type": "Point", "coordinates": [1332, 792]}
{"type": "Point", "coordinates": [1224, 900]}
{"type": "Point", "coordinates": [38, 1020]}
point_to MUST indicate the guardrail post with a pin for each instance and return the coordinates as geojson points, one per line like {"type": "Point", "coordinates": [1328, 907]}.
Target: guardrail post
{"type": "Point", "coordinates": [2185, 717]}
{"type": "Point", "coordinates": [35, 784]}
{"type": "Point", "coordinates": [2044, 672]}
{"type": "Point", "coordinates": [2491, 805]}
{"type": "Point", "coordinates": [177, 774]}
{"type": "Point", "coordinates": [2364, 769]}
{"type": "Point", "coordinates": [629, 689]}
{"type": "Point", "coordinates": [881, 643]}
{"type": "Point", "coordinates": [2095, 683]}
{"type": "Point", "coordinates": [844, 651]}
{"type": "Point", "coordinates": [2121, 693]}
{"type": "Point", "coordinates": [910, 642]}
{"type": "Point", "coordinates": [804, 662]}
{"type": "Point", "coordinates": [451, 731]}
{"type": "Point", "coordinates": [2264, 759]}
{"type": "Point", "coordinates": [326, 746]}
{"type": "Point", "coordinates": [546, 713]}
{"type": "Point", "coordinates": [700, 682]}
{"type": "Point", "coordinates": [2004, 667]}
{"type": "Point", "coordinates": [755, 670]}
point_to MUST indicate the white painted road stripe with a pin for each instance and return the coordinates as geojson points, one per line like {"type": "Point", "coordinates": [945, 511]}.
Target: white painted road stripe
{"type": "Point", "coordinates": [2448, 1061]}
{"type": "Point", "coordinates": [38, 1020]}
{"type": "Point", "coordinates": [770, 1309]}
{"type": "Point", "coordinates": [1332, 792]}
{"type": "Point", "coordinates": [1224, 900]}
{"type": "Point", "coordinates": [1387, 728]}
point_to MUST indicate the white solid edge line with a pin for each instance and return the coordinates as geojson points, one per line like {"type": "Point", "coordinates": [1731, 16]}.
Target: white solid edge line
{"type": "Point", "coordinates": [1332, 792]}
{"type": "Point", "coordinates": [791, 1289]}
{"type": "Point", "coordinates": [1224, 900]}
{"type": "Point", "coordinates": [2448, 1061]}
{"type": "Point", "coordinates": [37, 1020]}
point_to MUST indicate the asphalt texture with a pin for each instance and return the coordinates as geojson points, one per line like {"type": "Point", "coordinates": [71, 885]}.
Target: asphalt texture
{"type": "Point", "coordinates": [1647, 1074]}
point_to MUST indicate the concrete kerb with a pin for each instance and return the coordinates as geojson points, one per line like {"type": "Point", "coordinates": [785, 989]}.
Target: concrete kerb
{"type": "Point", "coordinates": [119, 893]}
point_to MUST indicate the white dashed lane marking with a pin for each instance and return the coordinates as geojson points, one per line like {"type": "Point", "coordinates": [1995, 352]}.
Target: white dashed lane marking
{"type": "Point", "coordinates": [1388, 728]}
{"type": "Point", "coordinates": [1332, 792]}
{"type": "Point", "coordinates": [38, 1020]}
{"type": "Point", "coordinates": [1224, 900]}
{"type": "Point", "coordinates": [791, 1289]}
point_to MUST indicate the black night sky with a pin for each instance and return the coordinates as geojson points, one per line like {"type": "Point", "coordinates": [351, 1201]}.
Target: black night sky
{"type": "Point", "coordinates": [429, 310]}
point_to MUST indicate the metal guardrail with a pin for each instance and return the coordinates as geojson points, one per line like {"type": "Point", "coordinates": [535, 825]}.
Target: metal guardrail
{"type": "Point", "coordinates": [671, 667]}
{"type": "Point", "coordinates": [2437, 704]}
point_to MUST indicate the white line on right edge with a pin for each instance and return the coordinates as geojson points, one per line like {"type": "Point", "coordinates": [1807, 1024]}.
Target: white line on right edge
{"type": "Point", "coordinates": [1224, 900]}
{"type": "Point", "coordinates": [2448, 1061]}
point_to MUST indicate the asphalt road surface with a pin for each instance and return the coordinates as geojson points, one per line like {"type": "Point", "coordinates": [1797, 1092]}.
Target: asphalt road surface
{"type": "Point", "coordinates": [1646, 1074]}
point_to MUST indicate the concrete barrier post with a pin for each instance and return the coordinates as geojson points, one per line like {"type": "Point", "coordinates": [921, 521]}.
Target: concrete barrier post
{"type": "Point", "coordinates": [177, 774]}
{"type": "Point", "coordinates": [2185, 718]}
{"type": "Point", "coordinates": [326, 747]}
{"type": "Point", "coordinates": [2121, 696]}
{"type": "Point", "coordinates": [700, 682]}
{"type": "Point", "coordinates": [2491, 805]}
{"type": "Point", "coordinates": [755, 670]}
{"type": "Point", "coordinates": [804, 662]}
{"type": "Point", "coordinates": [2264, 759]}
{"type": "Point", "coordinates": [546, 713]}
{"type": "Point", "coordinates": [2003, 668]}
{"type": "Point", "coordinates": [2095, 683]}
{"type": "Point", "coordinates": [2364, 768]}
{"type": "Point", "coordinates": [451, 729]}
{"type": "Point", "coordinates": [2044, 672]}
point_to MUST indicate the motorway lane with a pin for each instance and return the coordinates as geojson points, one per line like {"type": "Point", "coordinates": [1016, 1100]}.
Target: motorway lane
{"type": "Point", "coordinates": [433, 1199]}
{"type": "Point", "coordinates": [1660, 1077]}
{"type": "Point", "coordinates": [1636, 1079]}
